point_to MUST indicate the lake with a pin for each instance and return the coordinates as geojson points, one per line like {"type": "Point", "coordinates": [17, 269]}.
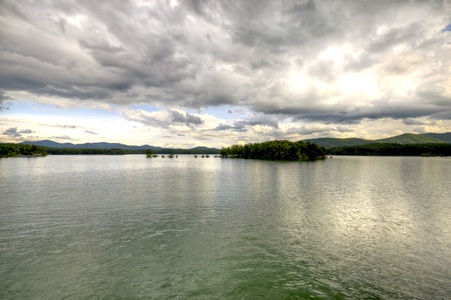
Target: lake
{"type": "Point", "coordinates": [115, 227]}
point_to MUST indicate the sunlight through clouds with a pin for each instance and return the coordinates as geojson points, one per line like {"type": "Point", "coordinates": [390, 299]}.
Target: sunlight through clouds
{"type": "Point", "coordinates": [312, 67]}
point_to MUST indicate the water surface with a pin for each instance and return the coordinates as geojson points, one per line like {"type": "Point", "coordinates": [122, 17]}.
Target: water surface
{"type": "Point", "coordinates": [207, 228]}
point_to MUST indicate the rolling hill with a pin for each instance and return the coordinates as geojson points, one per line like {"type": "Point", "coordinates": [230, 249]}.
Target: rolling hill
{"type": "Point", "coordinates": [444, 137]}
{"type": "Point", "coordinates": [336, 142]}
{"type": "Point", "coordinates": [101, 145]}
{"type": "Point", "coordinates": [104, 145]}
{"type": "Point", "coordinates": [404, 139]}
{"type": "Point", "coordinates": [409, 138]}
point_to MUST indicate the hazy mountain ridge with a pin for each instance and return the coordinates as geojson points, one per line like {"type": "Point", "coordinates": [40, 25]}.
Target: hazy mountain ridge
{"type": "Point", "coordinates": [407, 138]}
{"type": "Point", "coordinates": [404, 139]}
{"type": "Point", "coordinates": [336, 142]}
{"type": "Point", "coordinates": [105, 145]}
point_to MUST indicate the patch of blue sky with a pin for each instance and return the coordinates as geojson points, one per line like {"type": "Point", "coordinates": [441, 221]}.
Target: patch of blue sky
{"type": "Point", "coordinates": [227, 112]}
{"type": "Point", "coordinates": [27, 108]}
{"type": "Point", "coordinates": [22, 106]}
{"type": "Point", "coordinates": [447, 28]}
{"type": "Point", "coordinates": [146, 107]}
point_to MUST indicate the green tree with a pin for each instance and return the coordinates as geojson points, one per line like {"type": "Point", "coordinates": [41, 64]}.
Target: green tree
{"type": "Point", "coordinates": [276, 150]}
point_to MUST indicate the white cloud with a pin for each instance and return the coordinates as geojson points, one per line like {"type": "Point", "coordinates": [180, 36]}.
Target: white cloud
{"type": "Point", "coordinates": [321, 65]}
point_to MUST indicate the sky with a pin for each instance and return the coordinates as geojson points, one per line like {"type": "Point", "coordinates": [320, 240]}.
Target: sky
{"type": "Point", "coordinates": [216, 73]}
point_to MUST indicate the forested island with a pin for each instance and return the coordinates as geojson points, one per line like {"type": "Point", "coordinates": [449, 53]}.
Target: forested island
{"type": "Point", "coordinates": [276, 150]}
{"type": "Point", "coordinates": [394, 149]}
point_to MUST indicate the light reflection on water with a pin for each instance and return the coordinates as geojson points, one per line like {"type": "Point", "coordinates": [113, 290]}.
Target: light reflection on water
{"type": "Point", "coordinates": [131, 227]}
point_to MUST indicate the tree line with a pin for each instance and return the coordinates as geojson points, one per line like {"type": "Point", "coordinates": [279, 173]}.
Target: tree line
{"type": "Point", "coordinates": [118, 151]}
{"type": "Point", "coordinates": [183, 151]}
{"type": "Point", "coordinates": [394, 149]}
{"type": "Point", "coordinates": [272, 150]}
{"type": "Point", "coordinates": [11, 150]}
{"type": "Point", "coordinates": [276, 150]}
{"type": "Point", "coordinates": [86, 151]}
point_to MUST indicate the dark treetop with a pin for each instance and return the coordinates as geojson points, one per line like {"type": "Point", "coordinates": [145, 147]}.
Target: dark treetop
{"type": "Point", "coordinates": [276, 150]}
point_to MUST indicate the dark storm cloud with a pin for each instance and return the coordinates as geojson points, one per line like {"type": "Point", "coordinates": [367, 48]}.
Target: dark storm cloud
{"type": "Point", "coordinates": [197, 54]}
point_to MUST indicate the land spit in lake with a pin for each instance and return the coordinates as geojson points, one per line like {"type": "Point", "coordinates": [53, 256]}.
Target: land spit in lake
{"type": "Point", "coordinates": [117, 227]}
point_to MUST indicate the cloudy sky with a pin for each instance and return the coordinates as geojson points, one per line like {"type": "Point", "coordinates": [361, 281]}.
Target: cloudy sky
{"type": "Point", "coordinates": [215, 73]}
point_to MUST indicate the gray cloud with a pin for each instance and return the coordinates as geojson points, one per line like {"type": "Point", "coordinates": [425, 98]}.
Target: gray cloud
{"type": "Point", "coordinates": [318, 128]}
{"type": "Point", "coordinates": [13, 132]}
{"type": "Point", "coordinates": [187, 118]}
{"type": "Point", "coordinates": [237, 127]}
{"type": "Point", "coordinates": [163, 119]}
{"type": "Point", "coordinates": [5, 101]}
{"type": "Point", "coordinates": [200, 54]}
{"type": "Point", "coordinates": [61, 137]}
{"type": "Point", "coordinates": [263, 120]}
{"type": "Point", "coordinates": [222, 127]}
{"type": "Point", "coordinates": [91, 132]}
{"type": "Point", "coordinates": [243, 125]}
{"type": "Point", "coordinates": [412, 121]}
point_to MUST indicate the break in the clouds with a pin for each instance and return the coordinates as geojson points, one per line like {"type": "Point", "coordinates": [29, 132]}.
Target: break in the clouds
{"type": "Point", "coordinates": [315, 64]}
{"type": "Point", "coordinates": [4, 101]}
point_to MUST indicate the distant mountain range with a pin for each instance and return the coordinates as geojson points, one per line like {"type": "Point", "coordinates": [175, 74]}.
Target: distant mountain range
{"type": "Point", "coordinates": [103, 145]}
{"type": "Point", "coordinates": [407, 138]}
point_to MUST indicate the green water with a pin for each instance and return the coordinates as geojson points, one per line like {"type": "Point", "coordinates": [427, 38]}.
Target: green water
{"type": "Point", "coordinates": [128, 227]}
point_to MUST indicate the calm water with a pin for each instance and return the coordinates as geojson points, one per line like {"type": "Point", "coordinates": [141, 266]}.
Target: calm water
{"type": "Point", "coordinates": [106, 227]}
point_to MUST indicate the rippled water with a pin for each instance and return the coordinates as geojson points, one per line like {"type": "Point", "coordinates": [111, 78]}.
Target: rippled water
{"type": "Point", "coordinates": [105, 227]}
